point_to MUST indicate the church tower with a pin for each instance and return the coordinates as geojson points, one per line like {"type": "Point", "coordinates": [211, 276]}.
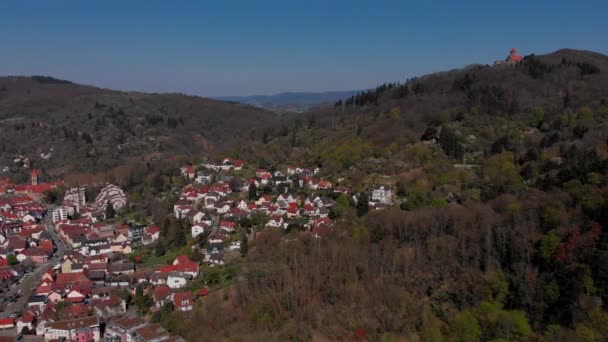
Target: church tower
{"type": "Point", "coordinates": [35, 177]}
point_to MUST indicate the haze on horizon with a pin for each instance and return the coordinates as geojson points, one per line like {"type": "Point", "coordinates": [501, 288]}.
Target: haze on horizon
{"type": "Point", "coordinates": [244, 48]}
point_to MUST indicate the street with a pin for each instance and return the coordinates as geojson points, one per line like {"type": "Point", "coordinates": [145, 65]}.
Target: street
{"type": "Point", "coordinates": [28, 283]}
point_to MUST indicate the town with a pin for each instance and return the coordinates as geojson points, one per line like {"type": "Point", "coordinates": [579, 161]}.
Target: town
{"type": "Point", "coordinates": [70, 272]}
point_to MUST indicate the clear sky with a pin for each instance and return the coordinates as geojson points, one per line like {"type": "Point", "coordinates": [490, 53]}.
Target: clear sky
{"type": "Point", "coordinates": [248, 47]}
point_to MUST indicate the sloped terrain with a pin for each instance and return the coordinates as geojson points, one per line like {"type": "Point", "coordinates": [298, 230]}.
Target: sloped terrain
{"type": "Point", "coordinates": [87, 128]}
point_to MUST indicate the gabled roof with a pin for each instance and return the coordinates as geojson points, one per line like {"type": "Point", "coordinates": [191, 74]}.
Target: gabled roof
{"type": "Point", "coordinates": [127, 322]}
{"type": "Point", "coordinates": [183, 298]}
{"type": "Point", "coordinates": [152, 230]}
{"type": "Point", "coordinates": [73, 324]}
{"type": "Point", "coordinates": [109, 303]}
{"type": "Point", "coordinates": [66, 278]}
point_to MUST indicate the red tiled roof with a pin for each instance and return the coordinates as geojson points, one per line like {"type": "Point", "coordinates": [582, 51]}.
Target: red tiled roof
{"type": "Point", "coordinates": [152, 229]}
{"type": "Point", "coordinates": [186, 267]}
{"type": "Point", "coordinates": [66, 278]}
{"type": "Point", "coordinates": [180, 297]}
{"type": "Point", "coordinates": [6, 321]}
{"type": "Point", "coordinates": [182, 258]}
{"type": "Point", "coordinates": [161, 292]}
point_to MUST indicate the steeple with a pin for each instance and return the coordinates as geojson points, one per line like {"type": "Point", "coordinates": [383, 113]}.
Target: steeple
{"type": "Point", "coordinates": [35, 174]}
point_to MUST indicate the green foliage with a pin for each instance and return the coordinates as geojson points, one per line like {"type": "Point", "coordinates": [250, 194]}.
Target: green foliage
{"type": "Point", "coordinates": [500, 175]}
{"type": "Point", "coordinates": [513, 325]}
{"type": "Point", "coordinates": [144, 303]}
{"type": "Point", "coordinates": [395, 113]}
{"type": "Point", "coordinates": [539, 117]}
{"type": "Point", "coordinates": [551, 292]}
{"type": "Point", "coordinates": [548, 245]}
{"type": "Point", "coordinates": [414, 200]}
{"type": "Point", "coordinates": [499, 286]}
{"type": "Point", "coordinates": [12, 259]}
{"type": "Point", "coordinates": [420, 153]}
{"type": "Point", "coordinates": [346, 154]}
{"type": "Point", "coordinates": [196, 254]}
{"type": "Point", "coordinates": [438, 202]}
{"type": "Point", "coordinates": [244, 245]}
{"type": "Point", "coordinates": [431, 329]}
{"type": "Point", "coordinates": [342, 205]}
{"type": "Point", "coordinates": [464, 327]}
{"type": "Point", "coordinates": [218, 275]}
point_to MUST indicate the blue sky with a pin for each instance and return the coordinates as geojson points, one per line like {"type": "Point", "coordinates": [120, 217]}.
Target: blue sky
{"type": "Point", "coordinates": [248, 47]}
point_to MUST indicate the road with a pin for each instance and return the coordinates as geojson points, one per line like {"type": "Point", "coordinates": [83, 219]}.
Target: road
{"type": "Point", "coordinates": [29, 282]}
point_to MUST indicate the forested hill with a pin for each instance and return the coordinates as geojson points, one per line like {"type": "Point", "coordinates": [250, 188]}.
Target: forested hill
{"type": "Point", "coordinates": [88, 128]}
{"type": "Point", "coordinates": [498, 230]}
{"type": "Point", "coordinates": [537, 93]}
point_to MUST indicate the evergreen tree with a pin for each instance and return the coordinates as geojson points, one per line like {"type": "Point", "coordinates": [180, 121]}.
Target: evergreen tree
{"type": "Point", "coordinates": [165, 227]}
{"type": "Point", "coordinates": [196, 255]}
{"type": "Point", "coordinates": [110, 212]}
{"type": "Point", "coordinates": [253, 192]}
{"type": "Point", "coordinates": [180, 236]}
{"type": "Point", "coordinates": [362, 204]}
{"type": "Point", "coordinates": [244, 245]}
{"type": "Point", "coordinates": [160, 248]}
{"type": "Point", "coordinates": [450, 144]}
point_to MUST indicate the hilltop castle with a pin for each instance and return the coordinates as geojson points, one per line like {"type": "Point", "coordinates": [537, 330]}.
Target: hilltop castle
{"type": "Point", "coordinates": [512, 59]}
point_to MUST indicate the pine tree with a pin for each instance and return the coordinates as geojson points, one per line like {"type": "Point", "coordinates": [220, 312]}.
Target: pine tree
{"type": "Point", "coordinates": [160, 248]}
{"type": "Point", "coordinates": [110, 212]}
{"type": "Point", "coordinates": [244, 245]}
{"type": "Point", "coordinates": [196, 254]}
{"type": "Point", "coordinates": [180, 236]}
{"type": "Point", "coordinates": [164, 229]}
{"type": "Point", "coordinates": [253, 192]}
{"type": "Point", "coordinates": [362, 204]}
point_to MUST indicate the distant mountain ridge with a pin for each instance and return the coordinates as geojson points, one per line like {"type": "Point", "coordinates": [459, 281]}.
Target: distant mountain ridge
{"type": "Point", "coordinates": [86, 128]}
{"type": "Point", "coordinates": [291, 101]}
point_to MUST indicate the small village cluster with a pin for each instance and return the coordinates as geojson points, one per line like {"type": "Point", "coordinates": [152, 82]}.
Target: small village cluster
{"type": "Point", "coordinates": [74, 300]}
{"type": "Point", "coordinates": [76, 297]}
{"type": "Point", "coordinates": [215, 202]}
{"type": "Point", "coordinates": [24, 241]}
{"type": "Point", "coordinates": [85, 262]}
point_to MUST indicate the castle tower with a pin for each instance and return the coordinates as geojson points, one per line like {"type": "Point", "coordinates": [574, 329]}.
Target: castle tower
{"type": "Point", "coordinates": [35, 174]}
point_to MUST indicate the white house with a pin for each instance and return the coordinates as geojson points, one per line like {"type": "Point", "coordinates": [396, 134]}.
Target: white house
{"type": "Point", "coordinates": [177, 280]}
{"type": "Point", "coordinates": [276, 222]}
{"type": "Point", "coordinates": [382, 195]}
{"type": "Point", "coordinates": [222, 208]}
{"type": "Point", "coordinates": [59, 214]}
{"type": "Point", "coordinates": [198, 229]}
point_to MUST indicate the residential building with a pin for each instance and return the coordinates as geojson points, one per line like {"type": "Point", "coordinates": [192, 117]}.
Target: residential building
{"type": "Point", "coordinates": [120, 329]}
{"type": "Point", "coordinates": [111, 194]}
{"type": "Point", "coordinates": [74, 329]}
